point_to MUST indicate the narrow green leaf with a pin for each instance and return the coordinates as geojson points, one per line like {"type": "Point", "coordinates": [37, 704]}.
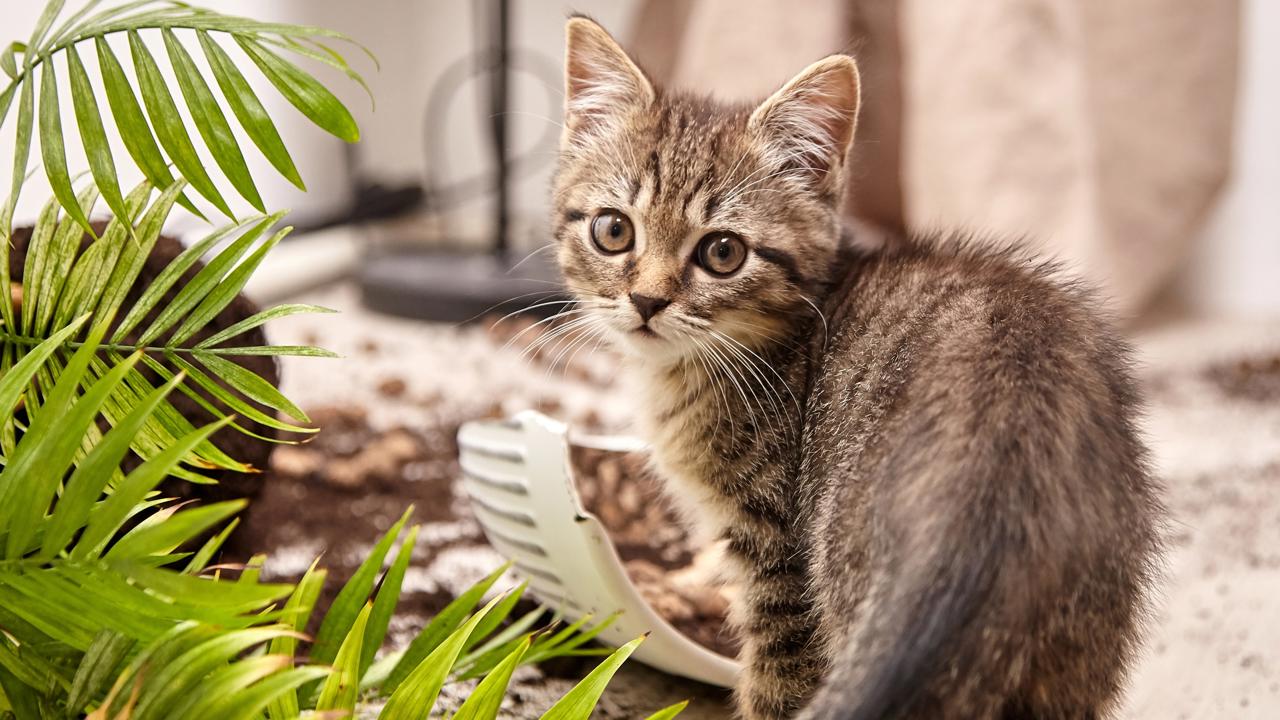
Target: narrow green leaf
{"type": "Point", "coordinates": [169, 126]}
{"type": "Point", "coordinates": [416, 695]}
{"type": "Point", "coordinates": [205, 281]}
{"type": "Point", "coordinates": [233, 402]}
{"type": "Point", "coordinates": [56, 263]}
{"type": "Point", "coordinates": [15, 379]}
{"type": "Point", "coordinates": [486, 699]}
{"type": "Point", "coordinates": [250, 384]}
{"type": "Point", "coordinates": [260, 318]}
{"type": "Point", "coordinates": [342, 613]}
{"type": "Point", "coordinates": [210, 122]}
{"type": "Point", "coordinates": [171, 274]}
{"type": "Point", "coordinates": [29, 480]}
{"type": "Point", "coordinates": [133, 255]}
{"type": "Point", "coordinates": [94, 472]}
{"type": "Point", "coordinates": [89, 277]}
{"type": "Point", "coordinates": [670, 711]}
{"type": "Point", "coordinates": [7, 62]}
{"type": "Point", "coordinates": [180, 528]}
{"type": "Point", "coordinates": [93, 135]}
{"type": "Point", "coordinates": [444, 623]}
{"type": "Point", "coordinates": [132, 124]}
{"type": "Point", "coordinates": [166, 685]}
{"type": "Point", "coordinates": [297, 611]}
{"type": "Point", "coordinates": [225, 291]}
{"type": "Point", "coordinates": [50, 13]}
{"type": "Point", "coordinates": [578, 703]}
{"type": "Point", "coordinates": [250, 703]}
{"type": "Point", "coordinates": [22, 699]}
{"type": "Point", "coordinates": [97, 668]}
{"type": "Point", "coordinates": [107, 517]}
{"type": "Point", "coordinates": [33, 268]}
{"type": "Point", "coordinates": [384, 604]}
{"type": "Point", "coordinates": [21, 151]}
{"type": "Point", "coordinates": [210, 547]}
{"type": "Point", "coordinates": [274, 350]}
{"type": "Point", "coordinates": [342, 688]}
{"type": "Point", "coordinates": [249, 111]}
{"type": "Point", "coordinates": [230, 681]}
{"type": "Point", "coordinates": [202, 592]}
{"type": "Point", "coordinates": [303, 91]}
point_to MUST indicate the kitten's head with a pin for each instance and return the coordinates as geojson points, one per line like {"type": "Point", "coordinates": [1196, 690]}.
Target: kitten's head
{"type": "Point", "coordinates": [682, 222]}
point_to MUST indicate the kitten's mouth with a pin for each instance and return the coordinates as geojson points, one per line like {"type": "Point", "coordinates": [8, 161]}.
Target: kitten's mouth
{"type": "Point", "coordinates": [645, 331]}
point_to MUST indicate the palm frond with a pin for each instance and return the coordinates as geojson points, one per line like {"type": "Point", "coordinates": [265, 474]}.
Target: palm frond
{"type": "Point", "coordinates": [148, 118]}
{"type": "Point", "coordinates": [165, 328]}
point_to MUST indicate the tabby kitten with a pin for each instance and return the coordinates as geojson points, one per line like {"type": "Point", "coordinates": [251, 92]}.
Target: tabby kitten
{"type": "Point", "coordinates": [922, 459]}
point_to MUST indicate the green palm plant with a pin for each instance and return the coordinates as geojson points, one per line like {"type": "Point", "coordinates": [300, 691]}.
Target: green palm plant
{"type": "Point", "coordinates": [109, 605]}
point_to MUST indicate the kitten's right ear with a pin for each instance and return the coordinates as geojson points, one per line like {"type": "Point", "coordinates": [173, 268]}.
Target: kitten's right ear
{"type": "Point", "coordinates": [601, 82]}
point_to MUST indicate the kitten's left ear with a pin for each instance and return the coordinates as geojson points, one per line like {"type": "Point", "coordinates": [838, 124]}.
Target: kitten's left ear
{"type": "Point", "coordinates": [601, 82]}
{"type": "Point", "coordinates": [809, 124]}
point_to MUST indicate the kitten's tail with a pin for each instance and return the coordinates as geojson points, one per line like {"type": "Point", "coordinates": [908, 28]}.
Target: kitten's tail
{"type": "Point", "coordinates": [949, 613]}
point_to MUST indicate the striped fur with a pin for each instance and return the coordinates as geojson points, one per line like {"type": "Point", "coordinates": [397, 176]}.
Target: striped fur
{"type": "Point", "coordinates": [921, 460]}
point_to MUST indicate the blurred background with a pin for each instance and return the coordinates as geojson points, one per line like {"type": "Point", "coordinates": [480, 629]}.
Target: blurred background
{"type": "Point", "coordinates": [1135, 141]}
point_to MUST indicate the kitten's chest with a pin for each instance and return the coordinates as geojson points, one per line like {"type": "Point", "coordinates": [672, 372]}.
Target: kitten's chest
{"type": "Point", "coordinates": [716, 457]}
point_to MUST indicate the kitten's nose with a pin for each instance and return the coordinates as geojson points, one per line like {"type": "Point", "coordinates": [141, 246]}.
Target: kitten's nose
{"type": "Point", "coordinates": [648, 306]}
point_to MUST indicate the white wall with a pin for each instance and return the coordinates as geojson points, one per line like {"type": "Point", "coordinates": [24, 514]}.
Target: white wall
{"type": "Point", "coordinates": [1237, 266]}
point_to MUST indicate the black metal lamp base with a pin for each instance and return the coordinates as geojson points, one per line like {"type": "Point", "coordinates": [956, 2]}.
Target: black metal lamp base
{"type": "Point", "coordinates": [457, 287]}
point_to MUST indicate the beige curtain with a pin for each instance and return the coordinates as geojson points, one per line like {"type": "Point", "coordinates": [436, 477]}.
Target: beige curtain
{"type": "Point", "coordinates": [1098, 131]}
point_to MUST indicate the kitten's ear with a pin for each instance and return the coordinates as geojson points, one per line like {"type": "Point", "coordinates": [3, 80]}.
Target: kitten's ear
{"type": "Point", "coordinates": [601, 82]}
{"type": "Point", "coordinates": [809, 124]}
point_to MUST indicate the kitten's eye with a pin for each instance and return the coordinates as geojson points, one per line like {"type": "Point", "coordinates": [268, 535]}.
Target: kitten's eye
{"type": "Point", "coordinates": [612, 232]}
{"type": "Point", "coordinates": [721, 253]}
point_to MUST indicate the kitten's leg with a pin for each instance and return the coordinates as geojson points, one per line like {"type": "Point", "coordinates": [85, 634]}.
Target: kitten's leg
{"type": "Point", "coordinates": [783, 657]}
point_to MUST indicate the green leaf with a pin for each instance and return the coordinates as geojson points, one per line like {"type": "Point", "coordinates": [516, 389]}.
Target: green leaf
{"type": "Point", "coordinates": [416, 695]}
{"type": "Point", "coordinates": [133, 255]}
{"type": "Point", "coordinates": [260, 318]}
{"type": "Point", "coordinates": [249, 111]}
{"type": "Point", "coordinates": [226, 290]}
{"type": "Point", "coordinates": [21, 151]}
{"type": "Point", "coordinates": [92, 270]}
{"type": "Point", "coordinates": [303, 91]}
{"type": "Point", "coordinates": [94, 472]}
{"type": "Point", "coordinates": [15, 379]}
{"type": "Point", "coordinates": [204, 696]}
{"type": "Point", "coordinates": [210, 121]}
{"type": "Point", "coordinates": [107, 517]}
{"type": "Point", "coordinates": [97, 668]}
{"type": "Point", "coordinates": [199, 591]}
{"type": "Point", "coordinates": [234, 402]}
{"type": "Point", "coordinates": [486, 699]}
{"type": "Point", "coordinates": [6, 58]}
{"type": "Point", "coordinates": [578, 703]}
{"type": "Point", "coordinates": [55, 265]}
{"type": "Point", "coordinates": [169, 276]}
{"type": "Point", "coordinates": [200, 286]}
{"type": "Point", "coordinates": [342, 688]}
{"type": "Point", "coordinates": [384, 604]}
{"type": "Point", "coordinates": [342, 613]}
{"type": "Point", "coordinates": [180, 528]}
{"type": "Point", "coordinates": [669, 712]}
{"type": "Point", "coordinates": [30, 478]}
{"type": "Point", "coordinates": [53, 150]}
{"type": "Point", "coordinates": [168, 124]}
{"type": "Point", "coordinates": [250, 703]}
{"type": "Point", "coordinates": [251, 385]}
{"type": "Point", "coordinates": [207, 550]}
{"type": "Point", "coordinates": [444, 623]}
{"type": "Point", "coordinates": [297, 611]}
{"type": "Point", "coordinates": [132, 124]}
{"type": "Point", "coordinates": [93, 136]}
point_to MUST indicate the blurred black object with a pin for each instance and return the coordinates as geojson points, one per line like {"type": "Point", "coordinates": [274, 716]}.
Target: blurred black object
{"type": "Point", "coordinates": [454, 285]}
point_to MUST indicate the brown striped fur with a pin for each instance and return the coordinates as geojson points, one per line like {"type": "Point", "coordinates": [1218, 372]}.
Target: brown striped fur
{"type": "Point", "coordinates": [922, 459]}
